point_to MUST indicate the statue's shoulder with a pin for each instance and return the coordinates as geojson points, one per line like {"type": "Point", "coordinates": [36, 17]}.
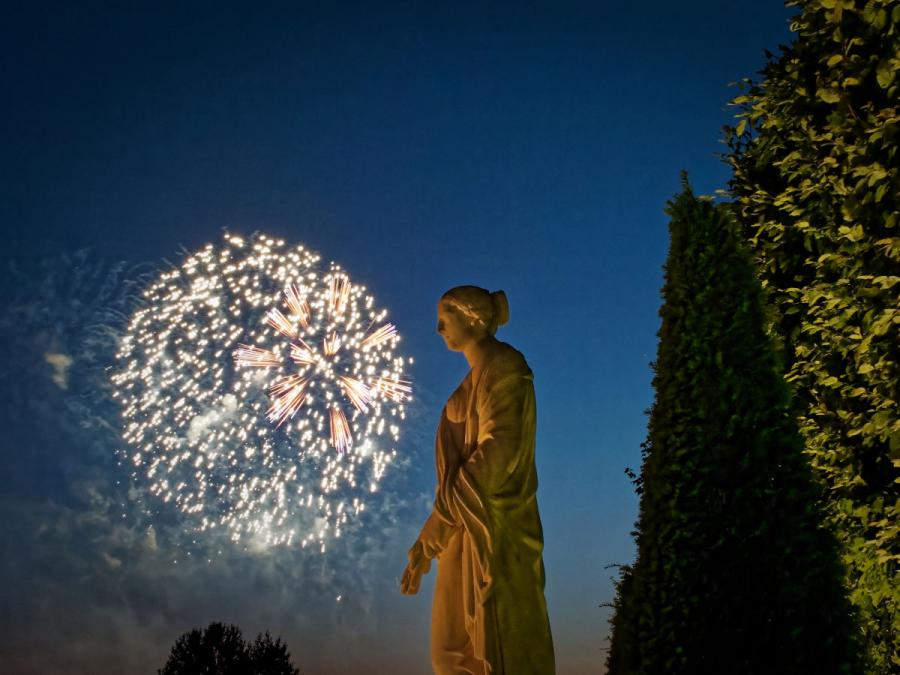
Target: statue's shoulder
{"type": "Point", "coordinates": [507, 360]}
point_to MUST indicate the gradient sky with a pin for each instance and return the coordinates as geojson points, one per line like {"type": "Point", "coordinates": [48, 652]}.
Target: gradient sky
{"type": "Point", "coordinates": [523, 146]}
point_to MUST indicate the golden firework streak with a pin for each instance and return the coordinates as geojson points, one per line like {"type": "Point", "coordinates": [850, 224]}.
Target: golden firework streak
{"type": "Point", "coordinates": [288, 394]}
{"type": "Point", "coordinates": [331, 344]}
{"type": "Point", "coordinates": [281, 323]}
{"type": "Point", "coordinates": [298, 306]}
{"type": "Point", "coordinates": [302, 353]}
{"type": "Point", "coordinates": [340, 431]}
{"type": "Point", "coordinates": [383, 334]}
{"type": "Point", "coordinates": [248, 355]}
{"type": "Point", "coordinates": [357, 392]}
{"type": "Point", "coordinates": [339, 296]}
{"type": "Point", "coordinates": [395, 389]}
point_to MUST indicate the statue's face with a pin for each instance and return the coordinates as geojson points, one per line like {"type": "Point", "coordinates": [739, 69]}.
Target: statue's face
{"type": "Point", "coordinates": [454, 328]}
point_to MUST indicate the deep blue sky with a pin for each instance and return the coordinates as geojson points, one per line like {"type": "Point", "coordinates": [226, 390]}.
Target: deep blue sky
{"type": "Point", "coordinates": [523, 146]}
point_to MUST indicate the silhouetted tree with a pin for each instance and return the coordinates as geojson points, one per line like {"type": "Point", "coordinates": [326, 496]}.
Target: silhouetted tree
{"type": "Point", "coordinates": [217, 650]}
{"type": "Point", "coordinates": [220, 649]}
{"type": "Point", "coordinates": [735, 573]}
{"type": "Point", "coordinates": [271, 657]}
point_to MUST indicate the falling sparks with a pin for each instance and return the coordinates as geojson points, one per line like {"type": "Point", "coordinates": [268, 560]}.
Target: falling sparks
{"type": "Point", "coordinates": [256, 397]}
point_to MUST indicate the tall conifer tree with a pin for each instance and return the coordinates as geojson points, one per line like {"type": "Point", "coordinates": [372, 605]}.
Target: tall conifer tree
{"type": "Point", "coordinates": [735, 573]}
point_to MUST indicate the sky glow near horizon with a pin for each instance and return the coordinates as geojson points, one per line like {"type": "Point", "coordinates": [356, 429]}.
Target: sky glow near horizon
{"type": "Point", "coordinates": [529, 148]}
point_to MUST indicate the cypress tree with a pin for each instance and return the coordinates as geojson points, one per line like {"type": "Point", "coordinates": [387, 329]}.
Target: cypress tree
{"type": "Point", "coordinates": [816, 188]}
{"type": "Point", "coordinates": [734, 573]}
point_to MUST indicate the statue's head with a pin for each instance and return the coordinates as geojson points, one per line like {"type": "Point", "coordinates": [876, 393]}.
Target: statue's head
{"type": "Point", "coordinates": [469, 314]}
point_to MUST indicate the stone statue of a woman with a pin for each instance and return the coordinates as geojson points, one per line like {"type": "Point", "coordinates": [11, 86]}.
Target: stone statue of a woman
{"type": "Point", "coordinates": [489, 615]}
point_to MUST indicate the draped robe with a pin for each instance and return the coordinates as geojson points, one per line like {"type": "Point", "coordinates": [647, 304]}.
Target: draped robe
{"type": "Point", "coordinates": [489, 615]}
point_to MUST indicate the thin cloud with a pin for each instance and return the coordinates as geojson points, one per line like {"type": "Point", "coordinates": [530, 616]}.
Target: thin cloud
{"type": "Point", "coordinates": [60, 364]}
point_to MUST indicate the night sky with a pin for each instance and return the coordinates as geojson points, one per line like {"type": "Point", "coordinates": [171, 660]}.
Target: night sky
{"type": "Point", "coordinates": [529, 147]}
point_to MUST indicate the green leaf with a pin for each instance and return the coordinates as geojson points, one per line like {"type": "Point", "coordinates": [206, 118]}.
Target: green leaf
{"type": "Point", "coordinates": [881, 419]}
{"type": "Point", "coordinates": [884, 73]}
{"type": "Point", "coordinates": [828, 95]}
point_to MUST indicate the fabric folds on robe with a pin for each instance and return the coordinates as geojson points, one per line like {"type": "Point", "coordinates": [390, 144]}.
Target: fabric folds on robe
{"type": "Point", "coordinates": [490, 614]}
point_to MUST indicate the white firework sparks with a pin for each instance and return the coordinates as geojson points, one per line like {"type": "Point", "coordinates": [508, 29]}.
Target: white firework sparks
{"type": "Point", "coordinates": [261, 392]}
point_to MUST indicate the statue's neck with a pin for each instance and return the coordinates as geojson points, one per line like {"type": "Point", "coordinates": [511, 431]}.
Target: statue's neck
{"type": "Point", "coordinates": [477, 353]}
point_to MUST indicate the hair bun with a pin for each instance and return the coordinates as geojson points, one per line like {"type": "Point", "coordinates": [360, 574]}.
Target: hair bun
{"type": "Point", "coordinates": [501, 308]}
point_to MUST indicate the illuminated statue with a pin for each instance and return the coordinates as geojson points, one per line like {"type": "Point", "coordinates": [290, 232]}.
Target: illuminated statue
{"type": "Point", "coordinates": [489, 615]}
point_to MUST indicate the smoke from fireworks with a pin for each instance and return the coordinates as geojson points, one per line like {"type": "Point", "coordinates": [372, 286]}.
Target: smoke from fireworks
{"type": "Point", "coordinates": [261, 392]}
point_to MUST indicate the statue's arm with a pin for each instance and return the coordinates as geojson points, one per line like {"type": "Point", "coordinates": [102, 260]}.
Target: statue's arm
{"type": "Point", "coordinates": [442, 523]}
{"type": "Point", "coordinates": [503, 409]}
{"type": "Point", "coordinates": [436, 533]}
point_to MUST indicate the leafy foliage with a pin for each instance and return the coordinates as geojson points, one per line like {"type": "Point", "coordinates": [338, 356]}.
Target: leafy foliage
{"type": "Point", "coordinates": [220, 649]}
{"type": "Point", "coordinates": [816, 190]}
{"type": "Point", "coordinates": [734, 572]}
{"type": "Point", "coordinates": [622, 657]}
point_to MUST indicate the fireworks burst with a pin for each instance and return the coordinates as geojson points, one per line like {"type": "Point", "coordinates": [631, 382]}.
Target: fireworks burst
{"type": "Point", "coordinates": [261, 392]}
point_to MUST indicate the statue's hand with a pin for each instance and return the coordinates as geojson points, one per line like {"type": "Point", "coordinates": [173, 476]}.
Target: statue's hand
{"type": "Point", "coordinates": [419, 564]}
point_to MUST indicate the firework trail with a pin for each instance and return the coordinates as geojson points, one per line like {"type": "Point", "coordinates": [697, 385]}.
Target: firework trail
{"type": "Point", "coordinates": [261, 392]}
